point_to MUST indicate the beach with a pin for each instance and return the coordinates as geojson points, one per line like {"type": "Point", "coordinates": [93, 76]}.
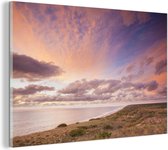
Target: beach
{"type": "Point", "coordinates": [37, 119]}
{"type": "Point", "coordinates": [132, 120]}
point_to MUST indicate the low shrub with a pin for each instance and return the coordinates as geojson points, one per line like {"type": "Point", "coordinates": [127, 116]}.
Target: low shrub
{"type": "Point", "coordinates": [62, 125]}
{"type": "Point", "coordinates": [77, 132]}
{"type": "Point", "coordinates": [92, 126]}
{"type": "Point", "coordinates": [83, 127]}
{"type": "Point", "coordinates": [107, 127]}
{"type": "Point", "coordinates": [104, 135]}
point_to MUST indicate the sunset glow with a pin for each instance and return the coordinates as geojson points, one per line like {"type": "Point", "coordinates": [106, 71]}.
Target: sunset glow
{"type": "Point", "coordinates": [68, 56]}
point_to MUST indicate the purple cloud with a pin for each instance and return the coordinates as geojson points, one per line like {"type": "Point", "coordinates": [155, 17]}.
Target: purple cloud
{"type": "Point", "coordinates": [151, 86]}
{"type": "Point", "coordinates": [83, 90]}
{"type": "Point", "coordinates": [31, 89]}
{"type": "Point", "coordinates": [79, 87]}
{"type": "Point", "coordinates": [160, 67]}
{"type": "Point", "coordinates": [163, 91]}
{"type": "Point", "coordinates": [149, 60]}
{"type": "Point", "coordinates": [71, 98]}
{"type": "Point", "coordinates": [130, 68]}
{"type": "Point", "coordinates": [31, 69]}
{"type": "Point", "coordinates": [83, 86]}
{"type": "Point", "coordinates": [103, 87]}
{"type": "Point", "coordinates": [129, 17]}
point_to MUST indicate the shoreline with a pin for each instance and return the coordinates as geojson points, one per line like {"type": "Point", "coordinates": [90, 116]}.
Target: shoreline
{"type": "Point", "coordinates": [102, 115]}
{"type": "Point", "coordinates": [132, 120]}
{"type": "Point", "coordinates": [107, 113]}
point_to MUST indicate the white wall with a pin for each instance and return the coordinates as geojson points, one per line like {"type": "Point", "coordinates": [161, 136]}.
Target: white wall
{"type": "Point", "coordinates": [148, 142]}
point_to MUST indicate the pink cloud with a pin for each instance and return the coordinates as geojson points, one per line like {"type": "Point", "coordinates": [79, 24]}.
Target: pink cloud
{"type": "Point", "coordinates": [131, 17]}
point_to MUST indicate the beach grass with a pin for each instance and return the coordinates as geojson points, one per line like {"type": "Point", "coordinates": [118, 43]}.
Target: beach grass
{"type": "Point", "coordinates": [132, 120]}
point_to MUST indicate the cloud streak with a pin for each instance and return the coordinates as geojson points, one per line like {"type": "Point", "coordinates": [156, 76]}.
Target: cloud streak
{"type": "Point", "coordinates": [31, 89]}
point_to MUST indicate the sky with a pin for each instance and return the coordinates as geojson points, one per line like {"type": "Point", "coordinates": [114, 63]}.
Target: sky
{"type": "Point", "coordinates": [79, 56]}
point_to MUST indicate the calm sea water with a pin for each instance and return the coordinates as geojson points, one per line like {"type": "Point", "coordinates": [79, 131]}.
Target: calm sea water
{"type": "Point", "coordinates": [30, 120]}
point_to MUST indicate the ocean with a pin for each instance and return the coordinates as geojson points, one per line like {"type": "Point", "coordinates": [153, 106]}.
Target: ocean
{"type": "Point", "coordinates": [29, 120]}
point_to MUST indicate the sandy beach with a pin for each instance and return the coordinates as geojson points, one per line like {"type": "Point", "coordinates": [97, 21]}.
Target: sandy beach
{"type": "Point", "coordinates": [132, 120]}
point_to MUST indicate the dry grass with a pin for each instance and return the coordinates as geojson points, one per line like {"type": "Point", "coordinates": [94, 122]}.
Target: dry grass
{"type": "Point", "coordinates": [133, 120]}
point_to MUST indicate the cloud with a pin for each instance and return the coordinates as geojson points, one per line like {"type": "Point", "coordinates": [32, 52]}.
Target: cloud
{"type": "Point", "coordinates": [139, 86]}
{"type": "Point", "coordinates": [151, 86]}
{"type": "Point", "coordinates": [53, 27]}
{"type": "Point", "coordinates": [89, 43]}
{"type": "Point", "coordinates": [133, 76]}
{"type": "Point", "coordinates": [130, 68]}
{"type": "Point", "coordinates": [31, 69]}
{"type": "Point", "coordinates": [108, 87]}
{"type": "Point", "coordinates": [84, 86]}
{"type": "Point", "coordinates": [128, 17]}
{"type": "Point", "coordinates": [87, 91]}
{"type": "Point", "coordinates": [68, 98]}
{"type": "Point", "coordinates": [100, 40]}
{"type": "Point", "coordinates": [149, 60]}
{"type": "Point", "coordinates": [160, 67]}
{"type": "Point", "coordinates": [31, 89]}
{"type": "Point", "coordinates": [163, 91]}
{"type": "Point", "coordinates": [143, 17]}
{"type": "Point", "coordinates": [103, 87]}
{"type": "Point", "coordinates": [77, 87]}
{"type": "Point", "coordinates": [131, 17]}
{"type": "Point", "coordinates": [145, 61]}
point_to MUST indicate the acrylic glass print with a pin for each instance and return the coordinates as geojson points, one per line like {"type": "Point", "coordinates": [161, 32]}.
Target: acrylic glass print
{"type": "Point", "coordinates": [83, 73]}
